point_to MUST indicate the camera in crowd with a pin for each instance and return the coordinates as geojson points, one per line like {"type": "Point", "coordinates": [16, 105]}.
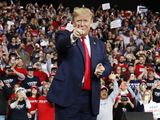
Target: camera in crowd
{"type": "Point", "coordinates": [8, 68]}
{"type": "Point", "coordinates": [124, 98]}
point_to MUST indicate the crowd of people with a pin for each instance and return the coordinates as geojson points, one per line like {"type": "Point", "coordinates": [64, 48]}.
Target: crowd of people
{"type": "Point", "coordinates": [28, 59]}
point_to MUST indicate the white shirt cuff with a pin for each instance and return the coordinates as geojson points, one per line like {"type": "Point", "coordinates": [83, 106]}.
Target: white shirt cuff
{"type": "Point", "coordinates": [72, 40]}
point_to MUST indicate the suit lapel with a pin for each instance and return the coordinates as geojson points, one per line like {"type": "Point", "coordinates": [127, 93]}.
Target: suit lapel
{"type": "Point", "coordinates": [93, 52]}
{"type": "Point", "coordinates": [79, 43]}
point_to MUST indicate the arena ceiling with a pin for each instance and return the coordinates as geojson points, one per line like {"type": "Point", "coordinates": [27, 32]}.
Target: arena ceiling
{"type": "Point", "coordinates": [120, 4]}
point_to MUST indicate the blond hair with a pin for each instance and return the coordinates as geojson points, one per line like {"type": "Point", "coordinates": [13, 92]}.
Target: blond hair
{"type": "Point", "coordinates": [149, 92]}
{"type": "Point", "coordinates": [81, 11]}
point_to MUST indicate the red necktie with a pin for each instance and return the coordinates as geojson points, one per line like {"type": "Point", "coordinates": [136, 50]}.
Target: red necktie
{"type": "Point", "coordinates": [87, 73]}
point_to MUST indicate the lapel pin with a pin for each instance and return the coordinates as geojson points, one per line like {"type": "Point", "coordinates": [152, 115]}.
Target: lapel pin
{"type": "Point", "coordinates": [94, 43]}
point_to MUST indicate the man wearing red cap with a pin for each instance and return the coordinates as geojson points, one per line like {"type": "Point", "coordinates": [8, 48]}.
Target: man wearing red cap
{"type": "Point", "coordinates": [150, 78]}
{"type": "Point", "coordinates": [107, 100]}
{"type": "Point", "coordinates": [31, 80]}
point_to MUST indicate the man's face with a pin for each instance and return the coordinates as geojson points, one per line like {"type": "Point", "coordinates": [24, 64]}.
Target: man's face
{"type": "Point", "coordinates": [143, 86]}
{"type": "Point", "coordinates": [103, 94]}
{"type": "Point", "coordinates": [121, 60]}
{"type": "Point", "coordinates": [150, 74]}
{"type": "Point", "coordinates": [131, 69]}
{"type": "Point", "coordinates": [45, 89]}
{"type": "Point", "coordinates": [34, 91]}
{"type": "Point", "coordinates": [20, 63]}
{"type": "Point", "coordinates": [83, 22]}
{"type": "Point", "coordinates": [141, 60]}
{"type": "Point", "coordinates": [123, 86]}
{"type": "Point", "coordinates": [30, 73]}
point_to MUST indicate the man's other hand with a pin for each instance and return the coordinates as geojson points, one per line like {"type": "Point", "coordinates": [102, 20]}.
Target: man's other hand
{"type": "Point", "coordinates": [99, 70]}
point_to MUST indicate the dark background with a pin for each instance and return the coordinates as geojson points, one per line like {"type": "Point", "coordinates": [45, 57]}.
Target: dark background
{"type": "Point", "coordinates": [121, 4]}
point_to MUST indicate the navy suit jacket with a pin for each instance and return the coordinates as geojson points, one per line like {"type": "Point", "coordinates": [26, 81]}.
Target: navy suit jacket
{"type": "Point", "coordinates": [67, 82]}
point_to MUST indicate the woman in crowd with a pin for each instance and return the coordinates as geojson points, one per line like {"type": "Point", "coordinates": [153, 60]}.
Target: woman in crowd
{"type": "Point", "coordinates": [146, 99]}
{"type": "Point", "coordinates": [32, 112]}
{"type": "Point", "coordinates": [44, 105]}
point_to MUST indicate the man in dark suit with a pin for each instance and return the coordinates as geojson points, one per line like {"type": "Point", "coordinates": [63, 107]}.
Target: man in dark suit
{"type": "Point", "coordinates": [75, 90]}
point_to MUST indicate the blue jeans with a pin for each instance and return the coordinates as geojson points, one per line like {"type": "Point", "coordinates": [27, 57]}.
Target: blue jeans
{"type": "Point", "coordinates": [2, 117]}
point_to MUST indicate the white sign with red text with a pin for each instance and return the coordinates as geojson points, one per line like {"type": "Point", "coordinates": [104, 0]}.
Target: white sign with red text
{"type": "Point", "coordinates": [154, 108]}
{"type": "Point", "coordinates": [116, 24]}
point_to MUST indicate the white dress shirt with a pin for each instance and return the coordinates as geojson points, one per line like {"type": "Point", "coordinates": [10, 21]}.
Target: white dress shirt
{"type": "Point", "coordinates": [87, 42]}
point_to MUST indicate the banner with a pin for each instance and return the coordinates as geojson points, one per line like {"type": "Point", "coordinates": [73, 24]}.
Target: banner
{"type": "Point", "coordinates": [116, 24]}
{"type": "Point", "coordinates": [9, 24]}
{"type": "Point", "coordinates": [141, 9]}
{"type": "Point", "coordinates": [154, 108]}
{"type": "Point", "coordinates": [106, 6]}
{"type": "Point", "coordinates": [95, 25]}
{"type": "Point", "coordinates": [69, 27]}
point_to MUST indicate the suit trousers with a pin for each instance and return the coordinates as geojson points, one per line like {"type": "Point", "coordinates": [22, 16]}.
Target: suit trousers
{"type": "Point", "coordinates": [79, 110]}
